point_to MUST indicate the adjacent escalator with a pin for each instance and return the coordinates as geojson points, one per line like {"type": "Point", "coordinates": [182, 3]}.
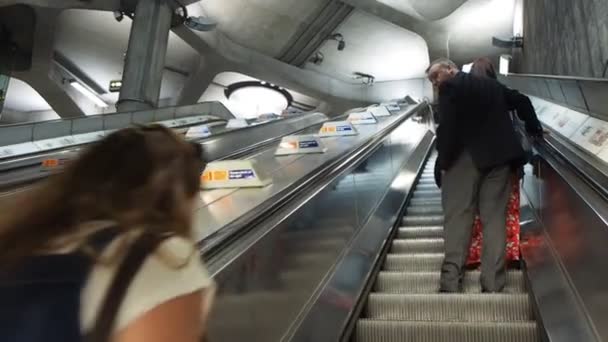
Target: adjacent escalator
{"type": "Point", "coordinates": [405, 303]}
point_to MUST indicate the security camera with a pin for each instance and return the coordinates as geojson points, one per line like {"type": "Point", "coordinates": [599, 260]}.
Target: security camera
{"type": "Point", "coordinates": [340, 39]}
{"type": "Point", "coordinates": [118, 16]}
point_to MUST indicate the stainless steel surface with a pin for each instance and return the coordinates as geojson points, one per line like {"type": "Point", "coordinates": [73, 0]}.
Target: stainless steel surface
{"type": "Point", "coordinates": [266, 286]}
{"type": "Point", "coordinates": [212, 218]}
{"type": "Point", "coordinates": [405, 305]}
{"type": "Point", "coordinates": [222, 144]}
{"type": "Point", "coordinates": [239, 140]}
{"type": "Point", "coordinates": [565, 251]}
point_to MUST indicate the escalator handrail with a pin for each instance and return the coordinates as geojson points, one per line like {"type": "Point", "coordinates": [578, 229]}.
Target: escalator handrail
{"type": "Point", "coordinates": [564, 156]}
{"type": "Point", "coordinates": [224, 237]}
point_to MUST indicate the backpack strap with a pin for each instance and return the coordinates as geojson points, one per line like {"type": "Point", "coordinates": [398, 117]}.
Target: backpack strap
{"type": "Point", "coordinates": [137, 254]}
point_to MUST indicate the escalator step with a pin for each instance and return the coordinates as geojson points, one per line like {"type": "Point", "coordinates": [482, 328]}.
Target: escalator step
{"type": "Point", "coordinates": [396, 331]}
{"type": "Point", "coordinates": [427, 193]}
{"type": "Point", "coordinates": [426, 210]}
{"type": "Point", "coordinates": [450, 307]}
{"type": "Point", "coordinates": [417, 246]}
{"type": "Point", "coordinates": [414, 262]}
{"type": "Point", "coordinates": [420, 232]}
{"type": "Point", "coordinates": [423, 220]}
{"type": "Point", "coordinates": [422, 202]}
{"type": "Point", "coordinates": [427, 186]}
{"type": "Point", "coordinates": [428, 282]}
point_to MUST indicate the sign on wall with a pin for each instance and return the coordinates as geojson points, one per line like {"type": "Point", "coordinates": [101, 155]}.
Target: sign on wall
{"type": "Point", "coordinates": [4, 80]}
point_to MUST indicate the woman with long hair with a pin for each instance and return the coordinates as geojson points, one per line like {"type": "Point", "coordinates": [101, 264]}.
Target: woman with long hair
{"type": "Point", "coordinates": [64, 243]}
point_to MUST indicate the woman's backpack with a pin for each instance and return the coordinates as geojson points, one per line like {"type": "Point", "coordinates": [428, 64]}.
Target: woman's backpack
{"type": "Point", "coordinates": [40, 299]}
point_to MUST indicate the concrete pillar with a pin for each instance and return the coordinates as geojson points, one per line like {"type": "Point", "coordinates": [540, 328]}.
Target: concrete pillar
{"type": "Point", "coordinates": [145, 60]}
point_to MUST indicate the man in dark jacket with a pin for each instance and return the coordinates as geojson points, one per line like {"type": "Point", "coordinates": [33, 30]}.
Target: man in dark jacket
{"type": "Point", "coordinates": [478, 150]}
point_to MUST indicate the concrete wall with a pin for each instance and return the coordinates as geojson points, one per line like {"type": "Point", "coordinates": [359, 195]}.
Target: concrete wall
{"type": "Point", "coordinates": [564, 37]}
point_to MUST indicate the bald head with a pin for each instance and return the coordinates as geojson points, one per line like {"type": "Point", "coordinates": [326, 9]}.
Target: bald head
{"type": "Point", "coordinates": [441, 70]}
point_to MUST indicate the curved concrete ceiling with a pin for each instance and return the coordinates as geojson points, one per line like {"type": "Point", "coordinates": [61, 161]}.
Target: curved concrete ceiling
{"type": "Point", "coordinates": [436, 9]}
{"type": "Point", "coordinates": [402, 32]}
{"type": "Point", "coordinates": [425, 9]}
{"type": "Point", "coordinates": [374, 47]}
{"type": "Point", "coordinates": [23, 98]}
{"type": "Point", "coordinates": [263, 25]}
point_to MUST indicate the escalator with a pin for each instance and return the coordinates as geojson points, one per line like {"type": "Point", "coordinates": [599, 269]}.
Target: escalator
{"type": "Point", "coordinates": [405, 303]}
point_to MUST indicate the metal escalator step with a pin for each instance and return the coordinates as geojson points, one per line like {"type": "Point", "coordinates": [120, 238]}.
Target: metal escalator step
{"type": "Point", "coordinates": [396, 331]}
{"type": "Point", "coordinates": [418, 262]}
{"type": "Point", "coordinates": [423, 220]}
{"type": "Point", "coordinates": [427, 193]}
{"type": "Point", "coordinates": [423, 202]}
{"type": "Point", "coordinates": [428, 282]}
{"type": "Point", "coordinates": [421, 198]}
{"type": "Point", "coordinates": [427, 186]}
{"type": "Point", "coordinates": [417, 246]}
{"type": "Point", "coordinates": [426, 210]}
{"type": "Point", "coordinates": [427, 182]}
{"type": "Point", "coordinates": [450, 307]}
{"type": "Point", "coordinates": [420, 232]}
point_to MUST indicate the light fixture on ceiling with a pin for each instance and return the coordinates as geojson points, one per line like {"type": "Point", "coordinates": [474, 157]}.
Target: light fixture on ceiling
{"type": "Point", "coordinates": [367, 78]}
{"type": "Point", "coordinates": [317, 58]}
{"type": "Point", "coordinates": [340, 39]}
{"type": "Point", "coordinates": [88, 94]}
{"type": "Point", "coordinates": [202, 24]}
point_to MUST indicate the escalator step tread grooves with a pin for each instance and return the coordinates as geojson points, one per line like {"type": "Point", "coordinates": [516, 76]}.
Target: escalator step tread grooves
{"type": "Point", "coordinates": [419, 232]}
{"type": "Point", "coordinates": [428, 210]}
{"type": "Point", "coordinates": [400, 331]}
{"type": "Point", "coordinates": [417, 245]}
{"type": "Point", "coordinates": [428, 282]}
{"type": "Point", "coordinates": [414, 262]}
{"type": "Point", "coordinates": [450, 307]}
{"type": "Point", "coordinates": [405, 304]}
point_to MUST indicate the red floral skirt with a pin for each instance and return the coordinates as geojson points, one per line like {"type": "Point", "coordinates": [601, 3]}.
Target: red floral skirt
{"type": "Point", "coordinates": [512, 230]}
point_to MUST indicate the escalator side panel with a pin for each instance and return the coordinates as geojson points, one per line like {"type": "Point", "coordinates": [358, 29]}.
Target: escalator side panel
{"type": "Point", "coordinates": [274, 280]}
{"type": "Point", "coordinates": [565, 252]}
{"type": "Point", "coordinates": [329, 315]}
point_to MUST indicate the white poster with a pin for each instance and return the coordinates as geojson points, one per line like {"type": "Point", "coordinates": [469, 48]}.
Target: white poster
{"type": "Point", "coordinates": [592, 135]}
{"type": "Point", "coordinates": [569, 122]}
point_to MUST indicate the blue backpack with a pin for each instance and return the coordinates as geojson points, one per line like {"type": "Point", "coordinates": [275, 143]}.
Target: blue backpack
{"type": "Point", "coordinates": [40, 300]}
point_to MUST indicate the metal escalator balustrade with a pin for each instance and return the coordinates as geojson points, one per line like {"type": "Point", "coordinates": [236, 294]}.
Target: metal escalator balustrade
{"type": "Point", "coordinates": [405, 303]}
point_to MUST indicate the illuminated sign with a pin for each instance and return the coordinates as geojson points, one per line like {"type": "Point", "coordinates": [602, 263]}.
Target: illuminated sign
{"type": "Point", "coordinates": [115, 86]}
{"type": "Point", "coordinates": [337, 128]}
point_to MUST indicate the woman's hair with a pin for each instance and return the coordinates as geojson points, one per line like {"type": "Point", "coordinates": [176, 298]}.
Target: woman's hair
{"type": "Point", "coordinates": [139, 178]}
{"type": "Point", "coordinates": [483, 67]}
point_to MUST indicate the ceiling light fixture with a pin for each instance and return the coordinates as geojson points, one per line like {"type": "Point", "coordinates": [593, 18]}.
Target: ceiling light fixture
{"type": "Point", "coordinates": [88, 94]}
{"type": "Point", "coordinates": [367, 78]}
{"type": "Point", "coordinates": [340, 39]}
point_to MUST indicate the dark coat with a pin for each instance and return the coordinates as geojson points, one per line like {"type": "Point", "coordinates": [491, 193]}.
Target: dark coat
{"type": "Point", "coordinates": [475, 117]}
